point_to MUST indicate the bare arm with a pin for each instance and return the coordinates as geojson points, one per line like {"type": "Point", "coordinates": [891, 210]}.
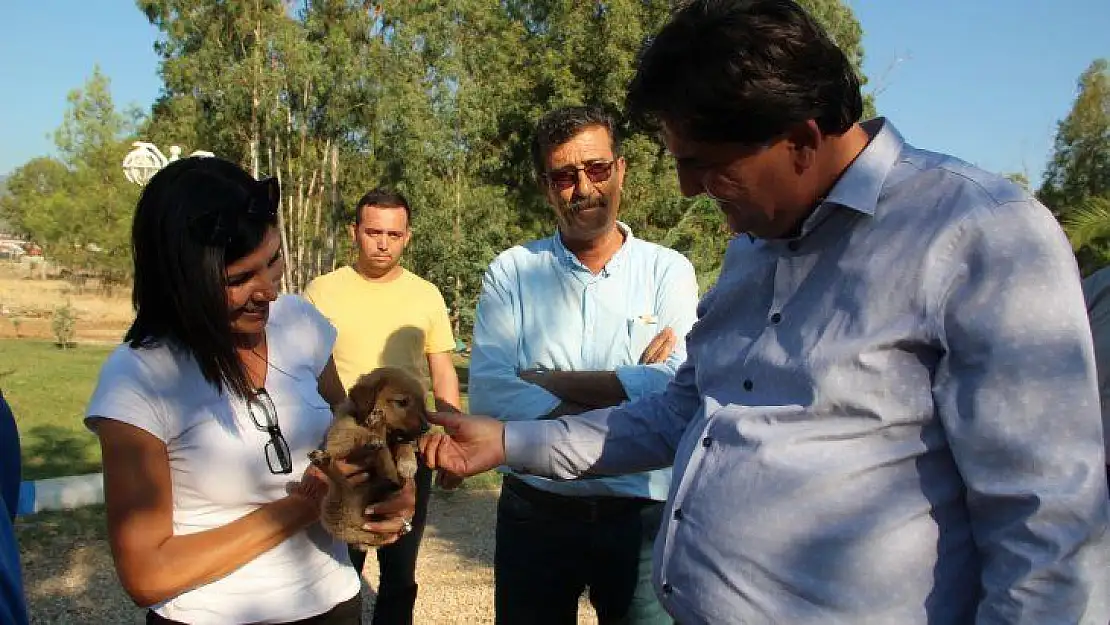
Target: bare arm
{"type": "Point", "coordinates": [153, 564]}
{"type": "Point", "coordinates": [445, 382]}
{"type": "Point", "coordinates": [330, 386]}
{"type": "Point", "coordinates": [590, 389]}
{"type": "Point", "coordinates": [565, 409]}
{"type": "Point", "coordinates": [445, 391]}
{"type": "Point", "coordinates": [584, 390]}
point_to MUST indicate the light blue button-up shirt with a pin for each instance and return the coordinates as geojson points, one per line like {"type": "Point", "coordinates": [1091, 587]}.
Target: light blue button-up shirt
{"type": "Point", "coordinates": [541, 307]}
{"type": "Point", "coordinates": [892, 418]}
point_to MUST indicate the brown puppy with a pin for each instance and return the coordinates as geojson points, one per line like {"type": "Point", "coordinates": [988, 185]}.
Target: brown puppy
{"type": "Point", "coordinates": [380, 422]}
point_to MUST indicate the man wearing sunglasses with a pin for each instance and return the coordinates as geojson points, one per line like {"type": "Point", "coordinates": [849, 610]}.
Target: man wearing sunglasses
{"type": "Point", "coordinates": [589, 317]}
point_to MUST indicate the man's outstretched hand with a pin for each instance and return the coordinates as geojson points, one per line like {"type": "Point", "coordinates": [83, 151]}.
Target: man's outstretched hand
{"type": "Point", "coordinates": [468, 446]}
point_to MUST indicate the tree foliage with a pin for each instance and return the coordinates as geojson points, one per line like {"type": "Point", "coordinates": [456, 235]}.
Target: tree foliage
{"type": "Point", "coordinates": [79, 204]}
{"type": "Point", "coordinates": [436, 98]}
{"type": "Point", "coordinates": [1080, 163]}
{"type": "Point", "coordinates": [1077, 180]}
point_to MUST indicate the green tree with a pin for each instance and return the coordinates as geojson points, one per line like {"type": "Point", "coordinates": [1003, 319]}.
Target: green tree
{"type": "Point", "coordinates": [271, 86]}
{"type": "Point", "coordinates": [1076, 183]}
{"type": "Point", "coordinates": [79, 206]}
{"type": "Point", "coordinates": [435, 98]}
{"type": "Point", "coordinates": [31, 189]}
{"type": "Point", "coordinates": [1080, 164]}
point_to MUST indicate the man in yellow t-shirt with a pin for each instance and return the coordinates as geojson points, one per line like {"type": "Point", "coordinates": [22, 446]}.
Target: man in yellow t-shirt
{"type": "Point", "coordinates": [388, 316]}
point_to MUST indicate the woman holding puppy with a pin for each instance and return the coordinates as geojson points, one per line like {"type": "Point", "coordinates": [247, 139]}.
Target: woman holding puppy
{"type": "Point", "coordinates": [207, 412]}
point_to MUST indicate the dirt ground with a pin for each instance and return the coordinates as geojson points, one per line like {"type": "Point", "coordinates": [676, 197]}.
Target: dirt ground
{"type": "Point", "coordinates": [27, 305]}
{"type": "Point", "coordinates": [69, 579]}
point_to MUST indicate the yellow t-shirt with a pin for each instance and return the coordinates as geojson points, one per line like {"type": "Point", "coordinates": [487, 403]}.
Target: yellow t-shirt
{"type": "Point", "coordinates": [395, 323]}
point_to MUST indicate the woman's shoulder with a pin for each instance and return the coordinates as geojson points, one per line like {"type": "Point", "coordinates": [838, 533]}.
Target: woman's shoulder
{"type": "Point", "coordinates": [290, 308]}
{"type": "Point", "coordinates": [158, 369]}
{"type": "Point", "coordinates": [300, 331]}
{"type": "Point", "coordinates": [130, 360]}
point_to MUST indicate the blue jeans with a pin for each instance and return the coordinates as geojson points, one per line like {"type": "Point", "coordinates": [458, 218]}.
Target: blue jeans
{"type": "Point", "coordinates": [551, 548]}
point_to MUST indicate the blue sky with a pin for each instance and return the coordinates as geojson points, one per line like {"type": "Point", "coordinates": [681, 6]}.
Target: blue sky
{"type": "Point", "coordinates": [982, 79]}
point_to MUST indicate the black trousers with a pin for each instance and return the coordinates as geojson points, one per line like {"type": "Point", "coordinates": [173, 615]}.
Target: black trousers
{"type": "Point", "coordinates": [551, 548]}
{"type": "Point", "coordinates": [347, 613]}
{"type": "Point", "coordinates": [397, 562]}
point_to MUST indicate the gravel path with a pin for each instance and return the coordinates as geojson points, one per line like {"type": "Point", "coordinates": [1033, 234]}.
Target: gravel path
{"type": "Point", "coordinates": [69, 576]}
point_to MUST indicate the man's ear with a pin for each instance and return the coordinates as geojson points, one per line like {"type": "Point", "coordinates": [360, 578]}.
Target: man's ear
{"type": "Point", "coordinates": [805, 139]}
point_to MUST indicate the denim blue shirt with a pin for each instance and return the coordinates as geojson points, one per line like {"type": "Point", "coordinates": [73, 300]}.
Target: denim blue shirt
{"type": "Point", "coordinates": [541, 307]}
{"type": "Point", "coordinates": [892, 418]}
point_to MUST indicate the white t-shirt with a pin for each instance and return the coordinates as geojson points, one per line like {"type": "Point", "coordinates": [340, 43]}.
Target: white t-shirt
{"type": "Point", "coordinates": [219, 471]}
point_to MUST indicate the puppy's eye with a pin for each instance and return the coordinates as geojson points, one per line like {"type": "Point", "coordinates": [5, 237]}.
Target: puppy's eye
{"type": "Point", "coordinates": [401, 402]}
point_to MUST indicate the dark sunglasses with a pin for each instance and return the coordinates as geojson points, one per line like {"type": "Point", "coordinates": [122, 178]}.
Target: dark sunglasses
{"type": "Point", "coordinates": [277, 453]}
{"type": "Point", "coordinates": [217, 226]}
{"type": "Point", "coordinates": [563, 179]}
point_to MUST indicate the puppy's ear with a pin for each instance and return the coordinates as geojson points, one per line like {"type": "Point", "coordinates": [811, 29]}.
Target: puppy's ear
{"type": "Point", "coordinates": [345, 409]}
{"type": "Point", "coordinates": [366, 390]}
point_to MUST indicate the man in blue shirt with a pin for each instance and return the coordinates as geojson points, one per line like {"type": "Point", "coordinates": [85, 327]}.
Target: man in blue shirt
{"type": "Point", "coordinates": [587, 318]}
{"type": "Point", "coordinates": [12, 605]}
{"type": "Point", "coordinates": [888, 413]}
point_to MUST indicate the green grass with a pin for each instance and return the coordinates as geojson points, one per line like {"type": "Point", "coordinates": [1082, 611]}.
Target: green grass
{"type": "Point", "coordinates": [48, 389]}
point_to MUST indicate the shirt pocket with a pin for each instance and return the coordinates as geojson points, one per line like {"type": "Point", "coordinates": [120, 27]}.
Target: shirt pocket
{"type": "Point", "coordinates": [641, 330]}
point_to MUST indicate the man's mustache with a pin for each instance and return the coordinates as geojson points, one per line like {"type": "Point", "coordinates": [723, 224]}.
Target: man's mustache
{"type": "Point", "coordinates": [579, 205]}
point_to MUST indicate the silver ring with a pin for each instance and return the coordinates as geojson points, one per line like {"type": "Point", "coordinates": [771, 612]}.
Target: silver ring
{"type": "Point", "coordinates": [406, 527]}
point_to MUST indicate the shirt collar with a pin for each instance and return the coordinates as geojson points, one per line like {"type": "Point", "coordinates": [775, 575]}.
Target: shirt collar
{"type": "Point", "coordinates": [862, 182]}
{"type": "Point", "coordinates": [860, 185]}
{"type": "Point", "coordinates": [571, 261]}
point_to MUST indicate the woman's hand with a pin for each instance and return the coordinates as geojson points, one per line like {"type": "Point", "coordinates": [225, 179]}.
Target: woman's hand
{"type": "Point", "coordinates": [392, 518]}
{"type": "Point", "coordinates": [312, 488]}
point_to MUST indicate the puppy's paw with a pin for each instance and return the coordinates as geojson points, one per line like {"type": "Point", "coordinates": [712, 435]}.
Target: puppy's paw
{"type": "Point", "coordinates": [319, 457]}
{"type": "Point", "coordinates": [376, 417]}
{"type": "Point", "coordinates": [406, 468]}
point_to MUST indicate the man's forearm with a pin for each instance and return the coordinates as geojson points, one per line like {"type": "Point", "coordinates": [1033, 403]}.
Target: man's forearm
{"type": "Point", "coordinates": [565, 409]}
{"type": "Point", "coordinates": [445, 383]}
{"type": "Point", "coordinates": [447, 399]}
{"type": "Point", "coordinates": [592, 389]}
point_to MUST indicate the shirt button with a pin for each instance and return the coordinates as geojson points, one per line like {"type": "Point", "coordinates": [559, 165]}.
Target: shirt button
{"type": "Point", "coordinates": [678, 514]}
{"type": "Point", "coordinates": [775, 318]}
{"type": "Point", "coordinates": [748, 385]}
{"type": "Point", "coordinates": [667, 589]}
{"type": "Point", "coordinates": [706, 442]}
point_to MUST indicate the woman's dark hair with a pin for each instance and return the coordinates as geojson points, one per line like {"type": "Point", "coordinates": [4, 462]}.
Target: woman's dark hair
{"type": "Point", "coordinates": [195, 217]}
{"type": "Point", "coordinates": [744, 71]}
{"type": "Point", "coordinates": [559, 125]}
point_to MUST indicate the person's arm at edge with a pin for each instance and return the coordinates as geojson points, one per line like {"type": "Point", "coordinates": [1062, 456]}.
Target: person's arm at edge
{"type": "Point", "coordinates": [1011, 316]}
